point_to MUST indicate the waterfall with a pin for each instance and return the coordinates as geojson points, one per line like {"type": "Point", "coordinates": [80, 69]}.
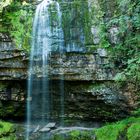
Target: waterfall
{"type": "Point", "coordinates": [46, 33]}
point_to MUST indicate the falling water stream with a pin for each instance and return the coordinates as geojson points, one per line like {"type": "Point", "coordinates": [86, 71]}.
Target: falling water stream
{"type": "Point", "coordinates": [45, 33]}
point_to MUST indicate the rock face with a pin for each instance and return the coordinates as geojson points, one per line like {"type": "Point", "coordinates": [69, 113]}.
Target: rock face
{"type": "Point", "coordinates": [89, 89]}
{"type": "Point", "coordinates": [13, 65]}
{"type": "Point", "coordinates": [13, 72]}
{"type": "Point", "coordinates": [77, 67]}
{"type": "Point", "coordinates": [92, 100]}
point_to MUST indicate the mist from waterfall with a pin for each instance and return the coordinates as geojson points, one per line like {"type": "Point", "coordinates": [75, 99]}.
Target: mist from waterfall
{"type": "Point", "coordinates": [46, 33]}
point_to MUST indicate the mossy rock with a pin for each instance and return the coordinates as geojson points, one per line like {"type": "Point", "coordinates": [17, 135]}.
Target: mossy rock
{"type": "Point", "coordinates": [75, 135]}
{"type": "Point", "coordinates": [10, 137]}
{"type": "Point", "coordinates": [110, 132]}
{"type": "Point", "coordinates": [133, 132]}
{"type": "Point", "coordinates": [7, 131]}
{"type": "Point", "coordinates": [128, 129]}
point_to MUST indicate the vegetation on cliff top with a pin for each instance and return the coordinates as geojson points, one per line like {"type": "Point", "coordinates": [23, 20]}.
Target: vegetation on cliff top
{"type": "Point", "coordinates": [17, 18]}
{"type": "Point", "coordinates": [125, 20]}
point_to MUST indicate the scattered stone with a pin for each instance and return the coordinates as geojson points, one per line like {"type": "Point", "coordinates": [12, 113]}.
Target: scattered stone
{"type": "Point", "coordinates": [102, 52]}
{"type": "Point", "coordinates": [50, 125]}
{"type": "Point", "coordinates": [36, 129]}
{"type": "Point", "coordinates": [113, 35]}
{"type": "Point", "coordinates": [95, 32]}
{"type": "Point", "coordinates": [45, 129]}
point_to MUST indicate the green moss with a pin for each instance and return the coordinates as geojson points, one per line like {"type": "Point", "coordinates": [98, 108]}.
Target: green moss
{"type": "Point", "coordinates": [6, 130]}
{"type": "Point", "coordinates": [10, 137]}
{"type": "Point", "coordinates": [81, 135]}
{"type": "Point", "coordinates": [136, 112]}
{"type": "Point", "coordinates": [126, 129]}
{"type": "Point", "coordinates": [109, 132]}
{"type": "Point", "coordinates": [113, 131]}
{"type": "Point", "coordinates": [58, 137]}
{"type": "Point", "coordinates": [75, 134]}
{"type": "Point", "coordinates": [133, 132]}
{"type": "Point", "coordinates": [7, 110]}
{"type": "Point", "coordinates": [21, 26]}
{"type": "Point", "coordinates": [2, 86]}
{"type": "Point", "coordinates": [76, 22]}
{"type": "Point", "coordinates": [130, 120]}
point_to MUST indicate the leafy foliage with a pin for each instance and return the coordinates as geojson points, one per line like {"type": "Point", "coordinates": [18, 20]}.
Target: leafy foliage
{"type": "Point", "coordinates": [21, 28]}
{"type": "Point", "coordinates": [125, 51]}
{"type": "Point", "coordinates": [17, 20]}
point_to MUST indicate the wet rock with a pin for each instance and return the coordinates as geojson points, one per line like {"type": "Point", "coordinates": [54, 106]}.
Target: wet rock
{"type": "Point", "coordinates": [13, 65]}
{"type": "Point", "coordinates": [113, 35]}
{"type": "Point", "coordinates": [12, 90]}
{"type": "Point", "coordinates": [74, 66]}
{"type": "Point", "coordinates": [50, 125]}
{"type": "Point", "coordinates": [95, 32]}
{"type": "Point", "coordinates": [102, 52]}
{"type": "Point", "coordinates": [87, 92]}
{"type": "Point", "coordinates": [45, 129]}
{"type": "Point", "coordinates": [36, 129]}
{"type": "Point", "coordinates": [77, 66]}
{"type": "Point", "coordinates": [5, 37]}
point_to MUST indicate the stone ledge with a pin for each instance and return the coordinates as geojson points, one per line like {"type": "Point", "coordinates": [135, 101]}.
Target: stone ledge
{"type": "Point", "coordinates": [73, 66]}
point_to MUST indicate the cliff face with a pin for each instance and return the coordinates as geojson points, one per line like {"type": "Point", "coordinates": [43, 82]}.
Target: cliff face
{"type": "Point", "coordinates": [90, 91]}
{"type": "Point", "coordinates": [12, 60]}
{"type": "Point", "coordinates": [13, 69]}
